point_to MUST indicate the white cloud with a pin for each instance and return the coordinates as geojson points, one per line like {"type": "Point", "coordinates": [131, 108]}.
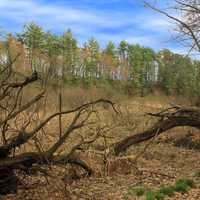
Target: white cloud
{"type": "Point", "coordinates": [24, 10]}
{"type": "Point", "coordinates": [135, 27]}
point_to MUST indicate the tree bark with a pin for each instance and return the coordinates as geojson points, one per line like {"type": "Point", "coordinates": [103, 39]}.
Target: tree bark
{"type": "Point", "coordinates": [170, 118]}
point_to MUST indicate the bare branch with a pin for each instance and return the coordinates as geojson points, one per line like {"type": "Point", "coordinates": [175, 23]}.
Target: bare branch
{"type": "Point", "coordinates": [181, 22]}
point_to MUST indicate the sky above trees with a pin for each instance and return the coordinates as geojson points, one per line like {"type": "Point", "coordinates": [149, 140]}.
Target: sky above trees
{"type": "Point", "coordinates": [106, 20]}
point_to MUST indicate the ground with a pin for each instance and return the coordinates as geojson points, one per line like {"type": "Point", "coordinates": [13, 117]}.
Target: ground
{"type": "Point", "coordinates": [162, 163]}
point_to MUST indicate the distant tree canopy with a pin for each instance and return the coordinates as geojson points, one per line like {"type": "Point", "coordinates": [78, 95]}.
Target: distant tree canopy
{"type": "Point", "coordinates": [139, 69]}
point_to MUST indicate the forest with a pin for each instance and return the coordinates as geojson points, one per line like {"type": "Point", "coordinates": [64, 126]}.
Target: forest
{"type": "Point", "coordinates": [137, 70]}
{"type": "Point", "coordinates": [88, 121]}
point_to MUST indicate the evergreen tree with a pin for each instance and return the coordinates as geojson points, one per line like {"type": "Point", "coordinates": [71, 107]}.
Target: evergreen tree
{"type": "Point", "coordinates": [136, 61]}
{"type": "Point", "coordinates": [33, 37]}
{"type": "Point", "coordinates": [68, 45]}
{"type": "Point", "coordinates": [52, 51]}
{"type": "Point", "coordinates": [110, 49]}
{"type": "Point", "coordinates": [110, 60]}
{"type": "Point", "coordinates": [92, 60]}
{"type": "Point", "coordinates": [123, 47]}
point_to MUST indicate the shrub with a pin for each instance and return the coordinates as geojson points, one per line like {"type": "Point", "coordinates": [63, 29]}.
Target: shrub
{"type": "Point", "coordinates": [150, 195]}
{"type": "Point", "coordinates": [167, 190]}
{"type": "Point", "coordinates": [159, 196]}
{"type": "Point", "coordinates": [183, 184]}
{"type": "Point", "coordinates": [139, 191]}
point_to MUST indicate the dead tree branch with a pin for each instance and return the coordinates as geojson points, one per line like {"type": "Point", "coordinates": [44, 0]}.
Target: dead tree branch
{"type": "Point", "coordinates": [172, 117]}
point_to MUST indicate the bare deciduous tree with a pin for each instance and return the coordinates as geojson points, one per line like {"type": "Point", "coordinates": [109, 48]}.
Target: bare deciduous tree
{"type": "Point", "coordinates": [186, 19]}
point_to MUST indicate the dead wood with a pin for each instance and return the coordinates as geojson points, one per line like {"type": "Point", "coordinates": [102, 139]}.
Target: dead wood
{"type": "Point", "coordinates": [18, 127]}
{"type": "Point", "coordinates": [172, 117]}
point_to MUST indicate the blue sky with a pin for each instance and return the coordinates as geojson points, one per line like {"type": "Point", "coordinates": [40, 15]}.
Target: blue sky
{"type": "Point", "coordinates": [106, 20]}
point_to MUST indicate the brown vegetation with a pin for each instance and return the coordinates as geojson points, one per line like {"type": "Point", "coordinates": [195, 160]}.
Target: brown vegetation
{"type": "Point", "coordinates": [20, 123]}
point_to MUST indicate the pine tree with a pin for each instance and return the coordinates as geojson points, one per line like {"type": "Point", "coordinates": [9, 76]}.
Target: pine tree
{"type": "Point", "coordinates": [52, 51]}
{"type": "Point", "coordinates": [69, 48]}
{"type": "Point", "coordinates": [91, 61]}
{"type": "Point", "coordinates": [33, 37]}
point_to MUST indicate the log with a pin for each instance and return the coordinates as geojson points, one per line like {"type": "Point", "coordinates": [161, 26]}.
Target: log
{"type": "Point", "coordinates": [170, 118]}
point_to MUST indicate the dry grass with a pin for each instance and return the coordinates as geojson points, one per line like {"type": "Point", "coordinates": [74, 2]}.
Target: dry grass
{"type": "Point", "coordinates": [162, 163]}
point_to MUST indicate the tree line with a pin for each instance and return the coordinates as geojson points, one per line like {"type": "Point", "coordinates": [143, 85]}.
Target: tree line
{"type": "Point", "coordinates": [137, 69]}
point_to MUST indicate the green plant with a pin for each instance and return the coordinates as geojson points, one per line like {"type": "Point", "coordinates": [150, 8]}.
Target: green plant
{"type": "Point", "coordinates": [139, 191]}
{"type": "Point", "coordinates": [150, 195]}
{"type": "Point", "coordinates": [189, 182]}
{"type": "Point", "coordinates": [159, 196]}
{"type": "Point", "coordinates": [181, 187]}
{"type": "Point", "coordinates": [167, 190]}
{"type": "Point", "coordinates": [198, 174]}
{"type": "Point", "coordinates": [125, 196]}
{"type": "Point", "coordinates": [183, 184]}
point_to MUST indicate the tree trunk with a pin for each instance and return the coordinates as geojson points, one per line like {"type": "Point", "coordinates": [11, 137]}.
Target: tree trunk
{"type": "Point", "coordinates": [170, 118]}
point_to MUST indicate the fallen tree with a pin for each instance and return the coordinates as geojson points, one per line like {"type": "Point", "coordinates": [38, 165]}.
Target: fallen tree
{"type": "Point", "coordinates": [172, 117]}
{"type": "Point", "coordinates": [20, 124]}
